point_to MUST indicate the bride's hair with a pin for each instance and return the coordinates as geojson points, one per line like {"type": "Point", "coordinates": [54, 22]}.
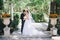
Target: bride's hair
{"type": "Point", "coordinates": [27, 11]}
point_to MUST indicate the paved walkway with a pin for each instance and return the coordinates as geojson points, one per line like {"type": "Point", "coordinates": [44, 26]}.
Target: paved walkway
{"type": "Point", "coordinates": [18, 36]}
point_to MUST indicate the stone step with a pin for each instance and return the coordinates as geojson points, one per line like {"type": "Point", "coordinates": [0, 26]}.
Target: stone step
{"type": "Point", "coordinates": [55, 37]}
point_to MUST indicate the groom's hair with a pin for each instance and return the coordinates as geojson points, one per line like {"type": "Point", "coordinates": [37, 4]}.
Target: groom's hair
{"type": "Point", "coordinates": [23, 10]}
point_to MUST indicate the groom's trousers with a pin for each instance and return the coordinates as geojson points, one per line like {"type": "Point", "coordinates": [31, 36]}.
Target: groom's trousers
{"type": "Point", "coordinates": [22, 26]}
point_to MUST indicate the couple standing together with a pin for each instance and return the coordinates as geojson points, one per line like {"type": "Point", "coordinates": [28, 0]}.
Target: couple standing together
{"type": "Point", "coordinates": [26, 27]}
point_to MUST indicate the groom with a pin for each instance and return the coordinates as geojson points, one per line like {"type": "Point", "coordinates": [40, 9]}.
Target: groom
{"type": "Point", "coordinates": [22, 19]}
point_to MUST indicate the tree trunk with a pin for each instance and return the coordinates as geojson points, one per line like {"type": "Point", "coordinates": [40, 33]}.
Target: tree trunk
{"type": "Point", "coordinates": [11, 11]}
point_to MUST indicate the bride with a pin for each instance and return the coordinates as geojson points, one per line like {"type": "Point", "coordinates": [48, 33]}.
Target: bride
{"type": "Point", "coordinates": [28, 28]}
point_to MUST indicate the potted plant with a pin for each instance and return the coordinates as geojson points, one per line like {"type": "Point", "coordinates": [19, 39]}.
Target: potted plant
{"type": "Point", "coordinates": [6, 21]}
{"type": "Point", "coordinates": [53, 21]}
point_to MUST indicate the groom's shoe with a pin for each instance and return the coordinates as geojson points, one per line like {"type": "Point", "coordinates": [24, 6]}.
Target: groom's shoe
{"type": "Point", "coordinates": [21, 33]}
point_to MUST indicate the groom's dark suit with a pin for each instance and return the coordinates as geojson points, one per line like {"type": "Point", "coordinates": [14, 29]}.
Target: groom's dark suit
{"type": "Point", "coordinates": [22, 19]}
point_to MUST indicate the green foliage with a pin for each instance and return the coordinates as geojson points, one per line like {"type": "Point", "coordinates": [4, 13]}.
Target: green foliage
{"type": "Point", "coordinates": [1, 4]}
{"type": "Point", "coordinates": [16, 16]}
{"type": "Point", "coordinates": [2, 26]}
{"type": "Point", "coordinates": [58, 6]}
{"type": "Point", "coordinates": [58, 26]}
{"type": "Point", "coordinates": [40, 6]}
{"type": "Point", "coordinates": [58, 1]}
{"type": "Point", "coordinates": [14, 23]}
{"type": "Point", "coordinates": [49, 26]}
{"type": "Point", "coordinates": [38, 17]}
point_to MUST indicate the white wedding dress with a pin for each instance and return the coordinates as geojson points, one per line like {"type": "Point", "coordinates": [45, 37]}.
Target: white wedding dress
{"type": "Point", "coordinates": [29, 29]}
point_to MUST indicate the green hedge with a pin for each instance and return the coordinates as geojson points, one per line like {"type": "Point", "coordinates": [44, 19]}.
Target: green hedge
{"type": "Point", "coordinates": [14, 23]}
{"type": "Point", "coordinates": [58, 26]}
{"type": "Point", "coordinates": [38, 17]}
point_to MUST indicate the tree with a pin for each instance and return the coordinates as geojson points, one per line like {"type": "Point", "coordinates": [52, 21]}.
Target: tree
{"type": "Point", "coordinates": [40, 6]}
{"type": "Point", "coordinates": [1, 4]}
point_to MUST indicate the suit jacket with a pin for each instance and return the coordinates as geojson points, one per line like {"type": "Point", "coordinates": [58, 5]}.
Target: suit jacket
{"type": "Point", "coordinates": [22, 16]}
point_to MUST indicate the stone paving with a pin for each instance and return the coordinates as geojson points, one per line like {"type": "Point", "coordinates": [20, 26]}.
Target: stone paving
{"type": "Point", "coordinates": [15, 37]}
{"type": "Point", "coordinates": [18, 36]}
